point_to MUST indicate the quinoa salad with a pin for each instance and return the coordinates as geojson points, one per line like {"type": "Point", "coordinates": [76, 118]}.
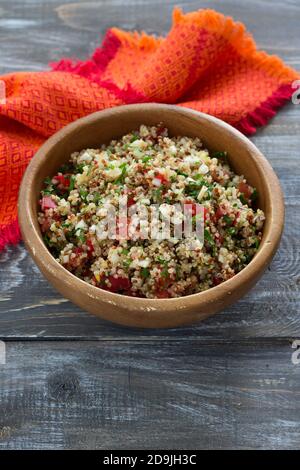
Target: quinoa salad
{"type": "Point", "coordinates": [149, 167]}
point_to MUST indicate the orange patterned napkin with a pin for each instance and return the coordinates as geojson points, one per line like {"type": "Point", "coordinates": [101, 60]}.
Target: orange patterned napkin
{"type": "Point", "coordinates": [207, 62]}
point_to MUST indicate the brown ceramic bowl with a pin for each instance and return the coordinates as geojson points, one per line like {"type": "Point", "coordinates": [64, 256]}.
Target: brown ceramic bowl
{"type": "Point", "coordinates": [101, 127]}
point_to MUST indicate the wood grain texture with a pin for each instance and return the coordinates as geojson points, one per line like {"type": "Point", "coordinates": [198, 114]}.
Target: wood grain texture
{"type": "Point", "coordinates": [228, 382]}
{"type": "Point", "coordinates": [131, 395]}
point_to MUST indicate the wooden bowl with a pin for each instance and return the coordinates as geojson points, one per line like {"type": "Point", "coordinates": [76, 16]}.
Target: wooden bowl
{"type": "Point", "coordinates": [101, 127]}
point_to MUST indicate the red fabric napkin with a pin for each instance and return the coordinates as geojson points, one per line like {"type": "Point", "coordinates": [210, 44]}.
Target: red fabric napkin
{"type": "Point", "coordinates": [207, 62]}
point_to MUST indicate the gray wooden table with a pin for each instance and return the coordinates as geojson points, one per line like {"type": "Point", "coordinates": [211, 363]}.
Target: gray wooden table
{"type": "Point", "coordinates": [73, 381]}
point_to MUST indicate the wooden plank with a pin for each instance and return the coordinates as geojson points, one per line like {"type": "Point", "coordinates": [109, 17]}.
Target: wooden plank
{"type": "Point", "coordinates": [55, 29]}
{"type": "Point", "coordinates": [175, 395]}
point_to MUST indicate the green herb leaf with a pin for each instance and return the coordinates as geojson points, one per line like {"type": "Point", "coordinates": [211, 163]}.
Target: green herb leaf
{"type": "Point", "coordinates": [165, 272]}
{"type": "Point", "coordinates": [79, 168]}
{"type": "Point", "coordinates": [83, 194]}
{"type": "Point", "coordinates": [257, 243]}
{"type": "Point", "coordinates": [208, 237]}
{"type": "Point", "coordinates": [145, 273]}
{"type": "Point", "coordinates": [80, 235]}
{"type": "Point", "coordinates": [221, 156]}
{"type": "Point", "coordinates": [181, 173]}
{"type": "Point", "coordinates": [231, 230]}
{"type": "Point", "coordinates": [97, 198]}
{"type": "Point", "coordinates": [157, 195]}
{"type": "Point", "coordinates": [47, 181]}
{"type": "Point", "coordinates": [134, 137]}
{"type": "Point", "coordinates": [198, 177]}
{"type": "Point", "coordinates": [70, 234]}
{"type": "Point", "coordinates": [72, 183]}
{"type": "Point", "coordinates": [147, 158]}
{"type": "Point", "coordinates": [161, 260]}
{"type": "Point", "coordinates": [193, 188]}
{"type": "Point", "coordinates": [127, 262]}
{"type": "Point", "coordinates": [121, 178]}
{"type": "Point", "coordinates": [48, 191]}
{"type": "Point", "coordinates": [254, 195]}
{"type": "Point", "coordinates": [243, 199]}
{"type": "Point", "coordinates": [228, 220]}
{"type": "Point", "coordinates": [47, 240]}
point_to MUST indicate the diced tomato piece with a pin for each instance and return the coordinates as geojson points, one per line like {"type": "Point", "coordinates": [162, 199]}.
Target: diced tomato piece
{"type": "Point", "coordinates": [130, 202]}
{"type": "Point", "coordinates": [164, 281]}
{"type": "Point", "coordinates": [78, 250]}
{"type": "Point", "coordinates": [245, 189]}
{"type": "Point", "coordinates": [220, 212]}
{"type": "Point", "coordinates": [118, 284]}
{"type": "Point", "coordinates": [86, 272]}
{"type": "Point", "coordinates": [90, 245]}
{"type": "Point", "coordinates": [217, 281]}
{"type": "Point", "coordinates": [57, 217]}
{"type": "Point", "coordinates": [162, 294]}
{"type": "Point", "coordinates": [162, 178]}
{"type": "Point", "coordinates": [193, 208]}
{"type": "Point", "coordinates": [47, 203]}
{"type": "Point", "coordinates": [63, 180]}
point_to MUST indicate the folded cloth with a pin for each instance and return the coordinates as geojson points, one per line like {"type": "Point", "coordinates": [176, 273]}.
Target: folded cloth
{"type": "Point", "coordinates": [207, 62]}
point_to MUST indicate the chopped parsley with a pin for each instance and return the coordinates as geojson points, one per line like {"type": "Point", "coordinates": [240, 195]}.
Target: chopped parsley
{"type": "Point", "coordinates": [145, 273]}
{"type": "Point", "coordinates": [221, 156]}
{"type": "Point", "coordinates": [147, 159]}
{"type": "Point", "coordinates": [228, 220]}
{"type": "Point", "coordinates": [121, 178]}
{"type": "Point", "coordinates": [83, 194]}
{"type": "Point", "coordinates": [243, 199]}
{"type": "Point", "coordinates": [208, 237]}
{"type": "Point", "coordinates": [72, 183]}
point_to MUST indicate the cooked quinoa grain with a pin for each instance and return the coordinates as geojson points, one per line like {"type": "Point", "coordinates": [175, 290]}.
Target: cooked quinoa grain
{"type": "Point", "coordinates": [148, 167]}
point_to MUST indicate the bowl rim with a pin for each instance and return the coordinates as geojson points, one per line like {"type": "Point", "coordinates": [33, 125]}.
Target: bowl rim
{"type": "Point", "coordinates": [34, 243]}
